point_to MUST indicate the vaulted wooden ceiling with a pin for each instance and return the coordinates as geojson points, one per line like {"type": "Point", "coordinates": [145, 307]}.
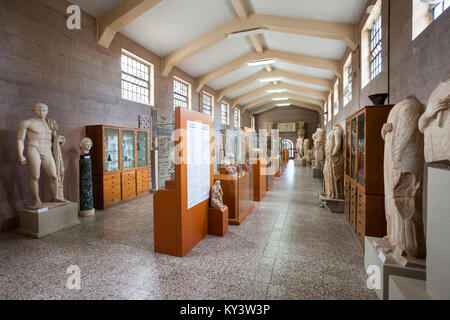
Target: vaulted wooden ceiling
{"type": "Point", "coordinates": [307, 39]}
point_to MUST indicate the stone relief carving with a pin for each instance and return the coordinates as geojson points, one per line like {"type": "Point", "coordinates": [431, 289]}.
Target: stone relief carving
{"type": "Point", "coordinates": [403, 170]}
{"type": "Point", "coordinates": [333, 170]}
{"type": "Point", "coordinates": [435, 124]}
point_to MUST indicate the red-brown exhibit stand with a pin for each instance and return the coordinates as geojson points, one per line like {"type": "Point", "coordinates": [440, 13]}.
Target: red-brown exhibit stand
{"type": "Point", "coordinates": [178, 229]}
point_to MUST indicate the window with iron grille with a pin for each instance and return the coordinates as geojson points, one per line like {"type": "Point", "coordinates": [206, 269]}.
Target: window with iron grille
{"type": "Point", "coordinates": [336, 98]}
{"type": "Point", "coordinates": [136, 75]}
{"type": "Point", "coordinates": [376, 35]}
{"type": "Point", "coordinates": [207, 104]}
{"type": "Point", "coordinates": [180, 94]}
{"type": "Point", "coordinates": [439, 8]}
{"type": "Point", "coordinates": [348, 87]}
{"type": "Point", "coordinates": [236, 118]}
{"type": "Point", "coordinates": [224, 113]}
{"type": "Point", "coordinates": [252, 122]}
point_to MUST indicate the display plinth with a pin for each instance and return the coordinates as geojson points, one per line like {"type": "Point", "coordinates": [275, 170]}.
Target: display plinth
{"type": "Point", "coordinates": [333, 205]}
{"type": "Point", "coordinates": [401, 288]}
{"type": "Point", "coordinates": [438, 235]}
{"type": "Point", "coordinates": [40, 224]}
{"type": "Point", "coordinates": [218, 221]}
{"type": "Point", "coordinates": [180, 215]}
{"type": "Point", "coordinates": [86, 194]}
{"type": "Point", "coordinates": [300, 162]}
{"type": "Point", "coordinates": [259, 181]}
{"type": "Point", "coordinates": [317, 173]}
{"type": "Point", "coordinates": [238, 221]}
{"type": "Point", "coordinates": [388, 266]}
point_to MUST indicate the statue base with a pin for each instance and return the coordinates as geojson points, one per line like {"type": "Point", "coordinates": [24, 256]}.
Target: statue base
{"type": "Point", "coordinates": [401, 288]}
{"type": "Point", "coordinates": [40, 222]}
{"type": "Point", "coordinates": [333, 205]}
{"type": "Point", "coordinates": [300, 162]}
{"type": "Point", "coordinates": [218, 221]}
{"type": "Point", "coordinates": [387, 267]}
{"type": "Point", "coordinates": [317, 173]}
{"type": "Point", "coordinates": [385, 247]}
{"type": "Point", "coordinates": [87, 213]}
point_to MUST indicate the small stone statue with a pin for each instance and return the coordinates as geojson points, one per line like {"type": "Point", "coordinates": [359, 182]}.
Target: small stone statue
{"type": "Point", "coordinates": [85, 146]}
{"type": "Point", "coordinates": [217, 195]}
{"type": "Point", "coordinates": [333, 170]}
{"type": "Point", "coordinates": [319, 139]}
{"type": "Point", "coordinates": [299, 147]}
{"type": "Point", "coordinates": [86, 195]}
{"type": "Point", "coordinates": [403, 171]}
{"type": "Point", "coordinates": [301, 132]}
{"type": "Point", "coordinates": [435, 124]}
{"type": "Point", "coordinates": [43, 149]}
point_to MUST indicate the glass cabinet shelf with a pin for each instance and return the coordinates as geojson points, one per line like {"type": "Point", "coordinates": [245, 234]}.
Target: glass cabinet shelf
{"type": "Point", "coordinates": [127, 149]}
{"type": "Point", "coordinates": [142, 149]}
{"type": "Point", "coordinates": [111, 150]}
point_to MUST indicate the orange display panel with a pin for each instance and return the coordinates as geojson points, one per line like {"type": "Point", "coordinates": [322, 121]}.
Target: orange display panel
{"type": "Point", "coordinates": [177, 228]}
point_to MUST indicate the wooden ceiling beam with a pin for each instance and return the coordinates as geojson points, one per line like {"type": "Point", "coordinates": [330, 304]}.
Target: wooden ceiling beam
{"type": "Point", "coordinates": [280, 86]}
{"type": "Point", "coordinates": [293, 58]}
{"type": "Point", "coordinates": [315, 102]}
{"type": "Point", "coordinates": [314, 28]}
{"type": "Point", "coordinates": [273, 105]}
{"type": "Point", "coordinates": [325, 83]}
{"type": "Point", "coordinates": [120, 16]}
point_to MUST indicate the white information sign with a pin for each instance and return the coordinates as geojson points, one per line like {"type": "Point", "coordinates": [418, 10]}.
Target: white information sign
{"type": "Point", "coordinates": [198, 162]}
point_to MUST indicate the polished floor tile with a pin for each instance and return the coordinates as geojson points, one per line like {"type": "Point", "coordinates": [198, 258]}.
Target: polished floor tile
{"type": "Point", "coordinates": [288, 248]}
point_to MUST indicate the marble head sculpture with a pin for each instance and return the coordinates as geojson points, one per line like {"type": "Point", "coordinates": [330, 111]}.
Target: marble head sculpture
{"type": "Point", "coordinates": [85, 146]}
{"type": "Point", "coordinates": [435, 124]}
{"type": "Point", "coordinates": [403, 171]}
{"type": "Point", "coordinates": [43, 150]}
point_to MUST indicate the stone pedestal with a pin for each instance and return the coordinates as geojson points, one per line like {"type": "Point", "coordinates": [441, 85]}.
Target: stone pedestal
{"type": "Point", "coordinates": [333, 205]}
{"type": "Point", "coordinates": [388, 266]}
{"type": "Point", "coordinates": [40, 224]}
{"type": "Point", "coordinates": [317, 173]}
{"type": "Point", "coordinates": [218, 221]}
{"type": "Point", "coordinates": [300, 162]}
{"type": "Point", "coordinates": [86, 195]}
{"type": "Point", "coordinates": [401, 288]}
{"type": "Point", "coordinates": [438, 235]}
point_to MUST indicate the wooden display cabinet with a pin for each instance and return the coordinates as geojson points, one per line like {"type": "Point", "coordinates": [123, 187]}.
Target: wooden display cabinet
{"type": "Point", "coordinates": [364, 179]}
{"type": "Point", "coordinates": [120, 159]}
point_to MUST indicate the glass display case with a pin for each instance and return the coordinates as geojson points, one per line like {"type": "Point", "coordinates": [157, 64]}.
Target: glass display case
{"type": "Point", "coordinates": [116, 175]}
{"type": "Point", "coordinates": [353, 150]}
{"type": "Point", "coordinates": [142, 149]}
{"type": "Point", "coordinates": [361, 148]}
{"type": "Point", "coordinates": [128, 149]}
{"type": "Point", "coordinates": [111, 149]}
{"type": "Point", "coordinates": [238, 187]}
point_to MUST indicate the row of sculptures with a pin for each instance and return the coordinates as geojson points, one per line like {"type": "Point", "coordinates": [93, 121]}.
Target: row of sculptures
{"type": "Point", "coordinates": [412, 136]}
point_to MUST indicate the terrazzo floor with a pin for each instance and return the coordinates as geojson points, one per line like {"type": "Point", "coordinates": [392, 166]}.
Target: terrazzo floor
{"type": "Point", "coordinates": [288, 248]}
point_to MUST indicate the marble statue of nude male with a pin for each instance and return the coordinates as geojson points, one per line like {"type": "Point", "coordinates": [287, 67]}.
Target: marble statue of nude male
{"type": "Point", "coordinates": [39, 135]}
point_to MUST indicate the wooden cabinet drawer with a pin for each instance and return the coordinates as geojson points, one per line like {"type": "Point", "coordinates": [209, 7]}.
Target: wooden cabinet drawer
{"type": "Point", "coordinates": [110, 196]}
{"type": "Point", "coordinates": [111, 178]}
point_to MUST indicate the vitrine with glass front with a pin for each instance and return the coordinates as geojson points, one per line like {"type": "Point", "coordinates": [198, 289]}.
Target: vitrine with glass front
{"type": "Point", "coordinates": [364, 180]}
{"type": "Point", "coordinates": [120, 164]}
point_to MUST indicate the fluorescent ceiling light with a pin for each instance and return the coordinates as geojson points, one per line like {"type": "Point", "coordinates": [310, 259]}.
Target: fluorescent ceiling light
{"type": "Point", "coordinates": [276, 91]}
{"type": "Point", "coordinates": [280, 99]}
{"type": "Point", "coordinates": [261, 62]}
{"type": "Point", "coordinates": [244, 33]}
{"type": "Point", "coordinates": [270, 79]}
{"type": "Point", "coordinates": [283, 104]}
